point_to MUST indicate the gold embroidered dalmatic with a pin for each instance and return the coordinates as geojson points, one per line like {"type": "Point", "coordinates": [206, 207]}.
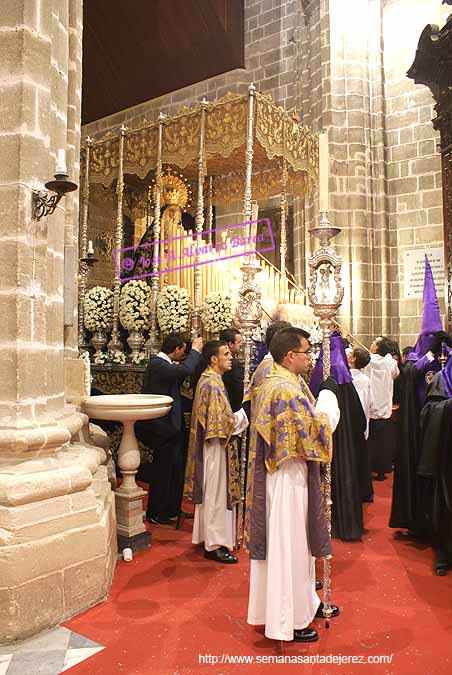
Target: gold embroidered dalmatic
{"type": "Point", "coordinates": [212, 417]}
{"type": "Point", "coordinates": [286, 423]}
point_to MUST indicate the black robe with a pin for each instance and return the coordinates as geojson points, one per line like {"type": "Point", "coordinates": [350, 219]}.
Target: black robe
{"type": "Point", "coordinates": [233, 381]}
{"type": "Point", "coordinates": [435, 469]}
{"type": "Point", "coordinates": [350, 479]}
{"type": "Point", "coordinates": [406, 511]}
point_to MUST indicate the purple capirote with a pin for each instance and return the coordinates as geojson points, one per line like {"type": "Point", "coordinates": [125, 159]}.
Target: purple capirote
{"type": "Point", "coordinates": [339, 368]}
{"type": "Point", "coordinates": [431, 317]}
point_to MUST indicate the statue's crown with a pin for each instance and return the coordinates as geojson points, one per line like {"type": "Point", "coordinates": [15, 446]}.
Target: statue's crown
{"type": "Point", "coordinates": [175, 190]}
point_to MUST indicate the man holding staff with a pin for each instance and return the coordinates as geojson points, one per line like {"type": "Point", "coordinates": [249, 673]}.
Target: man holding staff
{"type": "Point", "coordinates": [287, 527]}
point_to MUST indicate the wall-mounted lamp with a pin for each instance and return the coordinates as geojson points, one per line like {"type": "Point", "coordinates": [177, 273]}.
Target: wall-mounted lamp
{"type": "Point", "coordinates": [45, 204]}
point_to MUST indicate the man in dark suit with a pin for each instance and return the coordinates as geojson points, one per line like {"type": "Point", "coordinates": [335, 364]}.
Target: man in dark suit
{"type": "Point", "coordinates": [233, 379]}
{"type": "Point", "coordinates": [165, 373]}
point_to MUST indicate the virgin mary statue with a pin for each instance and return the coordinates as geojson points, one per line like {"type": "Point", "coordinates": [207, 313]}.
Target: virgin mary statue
{"type": "Point", "coordinates": [174, 197]}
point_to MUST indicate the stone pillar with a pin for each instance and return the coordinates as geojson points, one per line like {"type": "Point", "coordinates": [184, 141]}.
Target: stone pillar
{"type": "Point", "coordinates": [413, 161]}
{"type": "Point", "coordinates": [57, 529]}
{"type": "Point", "coordinates": [385, 180]}
{"type": "Point", "coordinates": [342, 92]}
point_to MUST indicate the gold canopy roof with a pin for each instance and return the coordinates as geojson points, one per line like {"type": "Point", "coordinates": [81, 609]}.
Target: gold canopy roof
{"type": "Point", "coordinates": [276, 137]}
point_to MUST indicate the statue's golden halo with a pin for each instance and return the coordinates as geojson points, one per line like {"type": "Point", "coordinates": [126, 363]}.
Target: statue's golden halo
{"type": "Point", "coordinates": [176, 190]}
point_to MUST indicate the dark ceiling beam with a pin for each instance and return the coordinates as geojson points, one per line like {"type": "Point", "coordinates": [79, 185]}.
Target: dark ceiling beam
{"type": "Point", "coordinates": [136, 51]}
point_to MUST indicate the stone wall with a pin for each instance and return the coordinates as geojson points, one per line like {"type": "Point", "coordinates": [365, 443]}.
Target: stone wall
{"type": "Point", "coordinates": [57, 529]}
{"type": "Point", "coordinates": [414, 204]}
{"type": "Point", "coordinates": [343, 66]}
{"type": "Point", "coordinates": [384, 169]}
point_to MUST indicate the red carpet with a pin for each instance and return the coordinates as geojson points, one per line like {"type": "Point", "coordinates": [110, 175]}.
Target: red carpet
{"type": "Point", "coordinates": [169, 606]}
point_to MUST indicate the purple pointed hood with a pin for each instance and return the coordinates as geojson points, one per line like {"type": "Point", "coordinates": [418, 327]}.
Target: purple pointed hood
{"type": "Point", "coordinates": [339, 365]}
{"type": "Point", "coordinates": [431, 317]}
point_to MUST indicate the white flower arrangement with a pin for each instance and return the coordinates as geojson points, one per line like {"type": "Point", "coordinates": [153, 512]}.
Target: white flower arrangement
{"type": "Point", "coordinates": [173, 309]}
{"type": "Point", "coordinates": [135, 305]}
{"type": "Point", "coordinates": [315, 334]}
{"type": "Point", "coordinates": [216, 312]}
{"type": "Point", "coordinates": [119, 358]}
{"type": "Point", "coordinates": [98, 309]}
{"type": "Point", "coordinates": [138, 359]}
{"type": "Point", "coordinates": [102, 360]}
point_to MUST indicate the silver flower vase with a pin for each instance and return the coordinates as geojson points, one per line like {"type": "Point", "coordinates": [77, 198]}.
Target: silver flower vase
{"type": "Point", "coordinates": [99, 340]}
{"type": "Point", "coordinates": [135, 341]}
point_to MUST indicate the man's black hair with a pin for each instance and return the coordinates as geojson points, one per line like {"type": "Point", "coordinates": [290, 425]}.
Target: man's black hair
{"type": "Point", "coordinates": [212, 348]}
{"type": "Point", "coordinates": [394, 349]}
{"type": "Point", "coordinates": [273, 328]}
{"type": "Point", "coordinates": [362, 358]}
{"type": "Point", "coordinates": [286, 340]}
{"type": "Point", "coordinates": [383, 345]}
{"type": "Point", "coordinates": [407, 350]}
{"type": "Point", "coordinates": [228, 334]}
{"type": "Point", "coordinates": [171, 342]}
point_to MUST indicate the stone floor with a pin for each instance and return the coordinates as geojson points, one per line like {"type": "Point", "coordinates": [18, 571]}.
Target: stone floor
{"type": "Point", "coordinates": [49, 653]}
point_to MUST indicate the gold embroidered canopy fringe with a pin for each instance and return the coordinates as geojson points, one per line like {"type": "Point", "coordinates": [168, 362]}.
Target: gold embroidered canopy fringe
{"type": "Point", "coordinates": [278, 138]}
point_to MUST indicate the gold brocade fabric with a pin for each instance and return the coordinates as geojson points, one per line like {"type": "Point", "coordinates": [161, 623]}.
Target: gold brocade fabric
{"type": "Point", "coordinates": [283, 414]}
{"type": "Point", "coordinates": [212, 418]}
{"type": "Point", "coordinates": [261, 372]}
{"type": "Point", "coordinates": [288, 422]}
{"type": "Point", "coordinates": [276, 137]}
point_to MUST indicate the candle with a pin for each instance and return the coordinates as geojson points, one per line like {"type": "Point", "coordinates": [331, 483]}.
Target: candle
{"type": "Point", "coordinates": [178, 262]}
{"type": "Point", "coordinates": [323, 172]}
{"type": "Point", "coordinates": [90, 248]}
{"type": "Point", "coordinates": [61, 161]}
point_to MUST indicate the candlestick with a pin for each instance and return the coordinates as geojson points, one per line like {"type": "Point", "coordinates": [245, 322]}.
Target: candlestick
{"type": "Point", "coordinates": [323, 172]}
{"type": "Point", "coordinates": [61, 162]}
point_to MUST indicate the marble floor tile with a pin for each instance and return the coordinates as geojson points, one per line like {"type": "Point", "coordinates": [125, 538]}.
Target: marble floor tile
{"type": "Point", "coordinates": [54, 639]}
{"type": "Point", "coordinates": [37, 663]}
{"type": "Point", "coordinates": [74, 656]}
{"type": "Point", "coordinates": [49, 653]}
{"type": "Point", "coordinates": [78, 641]}
{"type": "Point", "coordinates": [4, 663]}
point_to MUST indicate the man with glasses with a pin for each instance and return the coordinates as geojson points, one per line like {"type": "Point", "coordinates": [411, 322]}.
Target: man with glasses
{"type": "Point", "coordinates": [285, 522]}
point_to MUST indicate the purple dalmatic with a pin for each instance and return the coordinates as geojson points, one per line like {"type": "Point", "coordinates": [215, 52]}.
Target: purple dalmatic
{"type": "Point", "coordinates": [339, 368]}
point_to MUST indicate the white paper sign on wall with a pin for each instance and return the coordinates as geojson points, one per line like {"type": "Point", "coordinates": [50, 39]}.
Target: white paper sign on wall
{"type": "Point", "coordinates": [414, 271]}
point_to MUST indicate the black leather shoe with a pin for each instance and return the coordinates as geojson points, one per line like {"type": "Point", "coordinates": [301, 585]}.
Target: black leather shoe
{"type": "Point", "coordinates": [318, 585]}
{"type": "Point", "coordinates": [319, 612]}
{"type": "Point", "coordinates": [305, 635]}
{"type": "Point", "coordinates": [221, 555]}
{"type": "Point", "coordinates": [159, 520]}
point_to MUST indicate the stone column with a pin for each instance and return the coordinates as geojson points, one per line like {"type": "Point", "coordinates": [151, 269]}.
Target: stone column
{"type": "Point", "coordinates": [385, 180]}
{"type": "Point", "coordinates": [413, 161]}
{"type": "Point", "coordinates": [57, 530]}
